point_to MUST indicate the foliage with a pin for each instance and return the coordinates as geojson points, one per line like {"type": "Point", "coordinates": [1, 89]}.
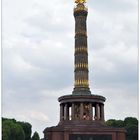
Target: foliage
{"type": "Point", "coordinates": [13, 130]}
{"type": "Point", "coordinates": [115, 123]}
{"type": "Point", "coordinates": [132, 132]}
{"type": "Point", "coordinates": [129, 123]}
{"type": "Point", "coordinates": [5, 131]}
{"type": "Point", "coordinates": [35, 136]}
{"type": "Point", "coordinates": [27, 129]}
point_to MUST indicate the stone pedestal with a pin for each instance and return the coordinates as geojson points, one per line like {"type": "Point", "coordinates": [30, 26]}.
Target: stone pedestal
{"type": "Point", "coordinates": [78, 130]}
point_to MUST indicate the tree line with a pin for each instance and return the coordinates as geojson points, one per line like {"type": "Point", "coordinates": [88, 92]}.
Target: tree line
{"type": "Point", "coordinates": [16, 130]}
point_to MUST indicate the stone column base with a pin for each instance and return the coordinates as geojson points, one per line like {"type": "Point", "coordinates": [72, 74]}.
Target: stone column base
{"type": "Point", "coordinates": [81, 131]}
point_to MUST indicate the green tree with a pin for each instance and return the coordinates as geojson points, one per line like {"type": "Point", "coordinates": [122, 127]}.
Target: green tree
{"type": "Point", "coordinates": [110, 122]}
{"type": "Point", "coordinates": [131, 125]}
{"type": "Point", "coordinates": [17, 132]}
{"type": "Point", "coordinates": [27, 129]}
{"type": "Point", "coordinates": [12, 131]}
{"type": "Point", "coordinates": [132, 132]}
{"type": "Point", "coordinates": [5, 131]}
{"type": "Point", "coordinates": [115, 123]}
{"type": "Point", "coordinates": [35, 136]}
{"type": "Point", "coordinates": [130, 121]}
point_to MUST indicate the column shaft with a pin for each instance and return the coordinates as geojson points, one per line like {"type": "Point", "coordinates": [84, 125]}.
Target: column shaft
{"type": "Point", "coordinates": [72, 111]}
{"type": "Point", "coordinates": [81, 51]}
{"type": "Point", "coordinates": [66, 113]}
{"type": "Point", "coordinates": [102, 112]}
{"type": "Point", "coordinates": [81, 111]}
{"type": "Point", "coordinates": [97, 111]}
{"type": "Point", "coordinates": [91, 111]}
{"type": "Point", "coordinates": [61, 112]}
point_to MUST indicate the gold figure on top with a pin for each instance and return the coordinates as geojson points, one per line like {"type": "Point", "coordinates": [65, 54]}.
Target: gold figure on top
{"type": "Point", "coordinates": [80, 1]}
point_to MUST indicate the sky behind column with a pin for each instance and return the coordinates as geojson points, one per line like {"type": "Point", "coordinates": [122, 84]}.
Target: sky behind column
{"type": "Point", "coordinates": [38, 57]}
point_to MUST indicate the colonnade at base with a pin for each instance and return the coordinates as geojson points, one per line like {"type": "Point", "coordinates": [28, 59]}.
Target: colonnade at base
{"type": "Point", "coordinates": [81, 111]}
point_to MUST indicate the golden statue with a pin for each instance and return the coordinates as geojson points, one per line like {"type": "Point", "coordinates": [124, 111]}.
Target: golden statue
{"type": "Point", "coordinates": [80, 1]}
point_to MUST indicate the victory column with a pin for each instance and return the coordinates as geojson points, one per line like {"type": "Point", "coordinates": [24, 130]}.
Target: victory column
{"type": "Point", "coordinates": [82, 113]}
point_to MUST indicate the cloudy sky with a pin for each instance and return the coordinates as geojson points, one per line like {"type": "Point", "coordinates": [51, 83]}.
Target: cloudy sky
{"type": "Point", "coordinates": [38, 56]}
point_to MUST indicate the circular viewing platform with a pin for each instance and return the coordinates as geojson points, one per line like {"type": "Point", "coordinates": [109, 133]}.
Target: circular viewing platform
{"type": "Point", "coordinates": [84, 107]}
